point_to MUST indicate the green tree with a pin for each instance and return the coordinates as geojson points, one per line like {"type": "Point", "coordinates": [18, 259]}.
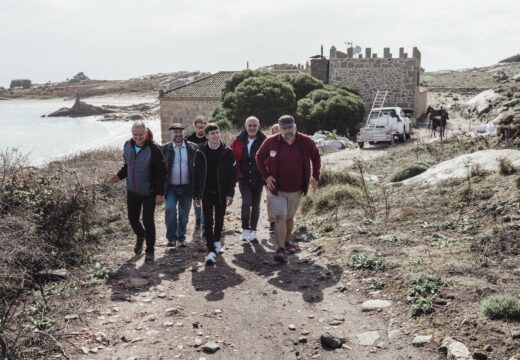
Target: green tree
{"type": "Point", "coordinates": [267, 97]}
{"type": "Point", "coordinates": [303, 84]}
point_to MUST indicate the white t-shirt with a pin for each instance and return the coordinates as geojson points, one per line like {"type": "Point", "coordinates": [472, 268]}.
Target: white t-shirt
{"type": "Point", "coordinates": [249, 144]}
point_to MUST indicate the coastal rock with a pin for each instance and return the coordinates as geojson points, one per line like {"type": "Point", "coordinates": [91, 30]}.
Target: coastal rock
{"type": "Point", "coordinates": [80, 109]}
{"type": "Point", "coordinates": [454, 350]}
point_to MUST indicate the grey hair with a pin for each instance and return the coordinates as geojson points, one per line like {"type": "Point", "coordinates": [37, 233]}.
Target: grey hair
{"type": "Point", "coordinates": [139, 123]}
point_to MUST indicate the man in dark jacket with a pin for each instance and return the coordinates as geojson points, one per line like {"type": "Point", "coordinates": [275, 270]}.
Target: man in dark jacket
{"type": "Point", "coordinates": [145, 174]}
{"type": "Point", "coordinates": [250, 182]}
{"type": "Point", "coordinates": [179, 156]}
{"type": "Point", "coordinates": [286, 162]}
{"type": "Point", "coordinates": [214, 187]}
{"type": "Point", "coordinates": [198, 137]}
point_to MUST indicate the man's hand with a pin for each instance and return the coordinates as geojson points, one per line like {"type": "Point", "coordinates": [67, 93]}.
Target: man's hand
{"type": "Point", "coordinates": [113, 179]}
{"type": "Point", "coordinates": [196, 202]}
{"type": "Point", "coordinates": [229, 200]}
{"type": "Point", "coordinates": [270, 182]}
{"type": "Point", "coordinates": [314, 183]}
{"type": "Point", "coordinates": [159, 199]}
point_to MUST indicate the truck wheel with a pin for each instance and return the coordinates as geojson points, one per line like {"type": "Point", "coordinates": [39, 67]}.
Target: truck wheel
{"type": "Point", "coordinates": [405, 136]}
{"type": "Point", "coordinates": [361, 144]}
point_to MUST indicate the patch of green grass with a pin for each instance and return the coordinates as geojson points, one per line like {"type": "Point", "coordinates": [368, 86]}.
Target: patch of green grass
{"type": "Point", "coordinates": [330, 198]}
{"type": "Point", "coordinates": [422, 306]}
{"type": "Point", "coordinates": [100, 274]}
{"type": "Point", "coordinates": [395, 239]}
{"type": "Point", "coordinates": [342, 177]}
{"type": "Point", "coordinates": [36, 309]}
{"type": "Point", "coordinates": [441, 241]}
{"type": "Point", "coordinates": [374, 284]}
{"type": "Point", "coordinates": [501, 307]}
{"type": "Point", "coordinates": [407, 172]}
{"type": "Point", "coordinates": [419, 261]}
{"type": "Point", "coordinates": [449, 225]}
{"type": "Point", "coordinates": [366, 261]}
{"type": "Point", "coordinates": [423, 285]}
{"type": "Point", "coordinates": [41, 324]}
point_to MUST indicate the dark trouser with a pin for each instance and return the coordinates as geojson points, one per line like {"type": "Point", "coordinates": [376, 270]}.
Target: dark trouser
{"type": "Point", "coordinates": [147, 203]}
{"type": "Point", "coordinates": [211, 204]}
{"type": "Point", "coordinates": [251, 198]}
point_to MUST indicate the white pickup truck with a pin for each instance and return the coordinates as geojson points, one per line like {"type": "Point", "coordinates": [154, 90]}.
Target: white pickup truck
{"type": "Point", "coordinates": [385, 125]}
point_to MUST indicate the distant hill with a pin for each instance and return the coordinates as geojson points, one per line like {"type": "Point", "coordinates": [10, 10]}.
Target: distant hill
{"type": "Point", "coordinates": [514, 58]}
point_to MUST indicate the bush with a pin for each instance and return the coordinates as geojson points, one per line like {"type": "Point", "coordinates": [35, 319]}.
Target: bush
{"type": "Point", "coordinates": [366, 261]}
{"type": "Point", "coordinates": [422, 306]}
{"type": "Point", "coordinates": [303, 84]}
{"type": "Point", "coordinates": [425, 285]}
{"type": "Point", "coordinates": [330, 198]}
{"type": "Point", "coordinates": [501, 307]}
{"type": "Point", "coordinates": [407, 173]}
{"type": "Point", "coordinates": [329, 177]}
{"type": "Point", "coordinates": [505, 167]}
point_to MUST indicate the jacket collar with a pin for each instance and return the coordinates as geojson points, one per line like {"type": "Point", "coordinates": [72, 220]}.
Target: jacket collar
{"type": "Point", "coordinates": [243, 136]}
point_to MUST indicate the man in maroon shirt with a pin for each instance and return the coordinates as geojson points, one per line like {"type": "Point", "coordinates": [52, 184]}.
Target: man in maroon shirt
{"type": "Point", "coordinates": [286, 161]}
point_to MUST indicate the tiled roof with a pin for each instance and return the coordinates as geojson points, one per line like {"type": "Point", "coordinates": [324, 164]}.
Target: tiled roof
{"type": "Point", "coordinates": [209, 87]}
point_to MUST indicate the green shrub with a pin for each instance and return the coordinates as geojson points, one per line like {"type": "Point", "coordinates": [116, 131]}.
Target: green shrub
{"type": "Point", "coordinates": [501, 307]}
{"type": "Point", "coordinates": [366, 261]}
{"type": "Point", "coordinates": [329, 177]}
{"type": "Point", "coordinates": [422, 306]}
{"type": "Point", "coordinates": [374, 284]}
{"type": "Point", "coordinates": [424, 285]}
{"type": "Point", "coordinates": [407, 172]}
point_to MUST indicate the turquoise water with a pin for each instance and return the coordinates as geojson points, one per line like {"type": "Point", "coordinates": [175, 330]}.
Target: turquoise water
{"type": "Point", "coordinates": [45, 139]}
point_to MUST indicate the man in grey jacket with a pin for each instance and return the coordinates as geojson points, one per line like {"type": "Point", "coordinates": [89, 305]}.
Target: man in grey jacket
{"type": "Point", "coordinates": [179, 155]}
{"type": "Point", "coordinates": [145, 174]}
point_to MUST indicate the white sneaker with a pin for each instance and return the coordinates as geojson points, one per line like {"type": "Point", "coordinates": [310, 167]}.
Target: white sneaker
{"type": "Point", "coordinates": [252, 236]}
{"type": "Point", "coordinates": [211, 258]}
{"type": "Point", "coordinates": [246, 235]}
{"type": "Point", "coordinates": [219, 249]}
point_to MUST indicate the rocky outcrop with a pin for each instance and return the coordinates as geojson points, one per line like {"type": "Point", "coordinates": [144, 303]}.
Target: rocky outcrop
{"type": "Point", "coordinates": [514, 58]}
{"type": "Point", "coordinates": [482, 102]}
{"type": "Point", "coordinates": [500, 76]}
{"type": "Point", "coordinates": [79, 77]}
{"type": "Point", "coordinates": [80, 109]}
{"type": "Point", "coordinates": [23, 83]}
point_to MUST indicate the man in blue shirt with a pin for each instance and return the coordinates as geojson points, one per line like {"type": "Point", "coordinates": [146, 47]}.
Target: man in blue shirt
{"type": "Point", "coordinates": [179, 157]}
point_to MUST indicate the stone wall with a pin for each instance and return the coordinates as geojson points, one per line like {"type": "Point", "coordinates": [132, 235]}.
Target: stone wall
{"type": "Point", "coordinates": [23, 83]}
{"type": "Point", "coordinates": [369, 72]}
{"type": "Point", "coordinates": [183, 111]}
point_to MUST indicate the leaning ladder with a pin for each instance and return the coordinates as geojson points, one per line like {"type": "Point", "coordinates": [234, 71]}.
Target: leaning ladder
{"type": "Point", "coordinates": [379, 102]}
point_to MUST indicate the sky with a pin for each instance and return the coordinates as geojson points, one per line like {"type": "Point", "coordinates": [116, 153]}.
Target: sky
{"type": "Point", "coordinates": [52, 40]}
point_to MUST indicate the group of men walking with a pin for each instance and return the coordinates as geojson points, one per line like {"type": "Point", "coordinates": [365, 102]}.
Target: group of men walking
{"type": "Point", "coordinates": [202, 170]}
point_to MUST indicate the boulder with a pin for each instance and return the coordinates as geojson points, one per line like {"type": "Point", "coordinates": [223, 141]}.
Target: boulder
{"type": "Point", "coordinates": [482, 102]}
{"type": "Point", "coordinates": [454, 350]}
{"type": "Point", "coordinates": [516, 77]}
{"type": "Point", "coordinates": [500, 75]}
{"type": "Point", "coordinates": [330, 341]}
{"type": "Point", "coordinates": [80, 109]}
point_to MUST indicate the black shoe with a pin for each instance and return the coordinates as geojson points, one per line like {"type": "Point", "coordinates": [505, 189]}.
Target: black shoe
{"type": "Point", "coordinates": [271, 227]}
{"type": "Point", "coordinates": [149, 258]}
{"type": "Point", "coordinates": [171, 244]}
{"type": "Point", "coordinates": [182, 243]}
{"type": "Point", "coordinates": [138, 248]}
{"type": "Point", "coordinates": [198, 225]}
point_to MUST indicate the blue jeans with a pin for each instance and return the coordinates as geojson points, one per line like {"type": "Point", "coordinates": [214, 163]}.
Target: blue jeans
{"type": "Point", "coordinates": [199, 215]}
{"type": "Point", "coordinates": [176, 225]}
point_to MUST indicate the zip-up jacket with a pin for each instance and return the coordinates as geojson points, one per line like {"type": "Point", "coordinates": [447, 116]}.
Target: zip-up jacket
{"type": "Point", "coordinates": [269, 161]}
{"type": "Point", "coordinates": [145, 171]}
{"type": "Point", "coordinates": [246, 164]}
{"type": "Point", "coordinates": [169, 157]}
{"type": "Point", "coordinates": [226, 172]}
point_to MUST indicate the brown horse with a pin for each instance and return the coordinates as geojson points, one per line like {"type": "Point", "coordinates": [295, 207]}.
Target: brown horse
{"type": "Point", "coordinates": [437, 119]}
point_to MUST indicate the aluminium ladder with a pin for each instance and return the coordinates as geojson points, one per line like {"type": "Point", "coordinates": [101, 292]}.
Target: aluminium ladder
{"type": "Point", "coordinates": [379, 102]}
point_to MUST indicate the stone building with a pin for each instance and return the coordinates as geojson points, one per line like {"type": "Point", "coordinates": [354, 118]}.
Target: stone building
{"type": "Point", "coordinates": [200, 97]}
{"type": "Point", "coordinates": [369, 72]}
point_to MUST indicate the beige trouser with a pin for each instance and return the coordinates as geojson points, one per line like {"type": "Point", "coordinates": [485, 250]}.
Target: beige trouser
{"type": "Point", "coordinates": [284, 203]}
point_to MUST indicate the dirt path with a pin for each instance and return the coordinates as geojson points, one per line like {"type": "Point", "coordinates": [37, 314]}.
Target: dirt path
{"type": "Point", "coordinates": [251, 307]}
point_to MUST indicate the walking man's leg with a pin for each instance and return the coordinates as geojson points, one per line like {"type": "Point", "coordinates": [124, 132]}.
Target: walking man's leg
{"type": "Point", "coordinates": [149, 225]}
{"type": "Point", "coordinates": [184, 212]}
{"type": "Point", "coordinates": [220, 212]}
{"type": "Point", "coordinates": [207, 210]}
{"type": "Point", "coordinates": [172, 225]}
{"type": "Point", "coordinates": [245, 214]}
{"type": "Point", "coordinates": [134, 205]}
{"type": "Point", "coordinates": [256, 192]}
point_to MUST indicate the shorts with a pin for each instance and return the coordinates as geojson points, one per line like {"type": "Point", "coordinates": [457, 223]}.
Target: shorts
{"type": "Point", "coordinates": [285, 203]}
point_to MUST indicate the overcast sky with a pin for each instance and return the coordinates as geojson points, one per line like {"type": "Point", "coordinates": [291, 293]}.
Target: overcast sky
{"type": "Point", "coordinates": [117, 39]}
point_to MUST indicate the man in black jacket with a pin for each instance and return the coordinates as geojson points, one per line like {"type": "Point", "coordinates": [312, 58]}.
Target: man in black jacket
{"type": "Point", "coordinates": [214, 187]}
{"type": "Point", "coordinates": [145, 174]}
{"type": "Point", "coordinates": [250, 181]}
{"type": "Point", "coordinates": [179, 157]}
{"type": "Point", "coordinates": [198, 137]}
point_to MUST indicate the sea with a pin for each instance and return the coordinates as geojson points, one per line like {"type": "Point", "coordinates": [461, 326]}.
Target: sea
{"type": "Point", "coordinates": [44, 139]}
